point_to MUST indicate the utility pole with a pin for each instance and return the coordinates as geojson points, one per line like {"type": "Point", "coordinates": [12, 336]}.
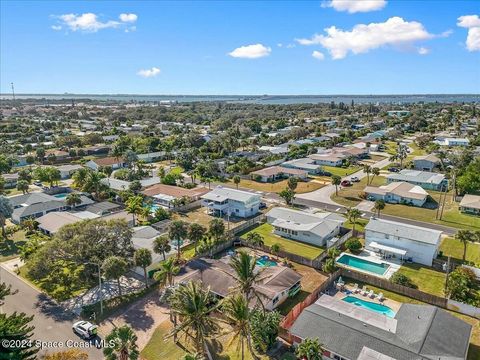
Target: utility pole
{"type": "Point", "coordinates": [13, 91]}
{"type": "Point", "coordinates": [444, 200]}
{"type": "Point", "coordinates": [448, 272]}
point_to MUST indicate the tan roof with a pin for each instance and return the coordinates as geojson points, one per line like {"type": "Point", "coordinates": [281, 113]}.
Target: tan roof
{"type": "Point", "coordinates": [333, 156]}
{"type": "Point", "coordinates": [471, 201]}
{"type": "Point", "coordinates": [174, 191]}
{"type": "Point", "coordinates": [429, 157]}
{"type": "Point", "coordinates": [274, 170]}
{"type": "Point", "coordinates": [401, 188]}
{"type": "Point", "coordinates": [108, 161]}
{"type": "Point", "coordinates": [56, 152]}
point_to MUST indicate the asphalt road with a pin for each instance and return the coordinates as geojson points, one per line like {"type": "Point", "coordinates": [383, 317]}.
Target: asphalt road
{"type": "Point", "coordinates": [52, 323]}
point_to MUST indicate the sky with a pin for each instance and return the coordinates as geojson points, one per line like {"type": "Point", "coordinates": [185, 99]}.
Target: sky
{"type": "Point", "coordinates": [240, 47]}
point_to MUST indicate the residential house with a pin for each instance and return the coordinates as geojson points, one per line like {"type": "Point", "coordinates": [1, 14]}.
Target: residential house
{"type": "Point", "coordinates": [143, 238]}
{"type": "Point", "coordinates": [329, 158]}
{"type": "Point", "coordinates": [60, 155]}
{"type": "Point", "coordinates": [113, 162]}
{"type": "Point", "coordinates": [305, 164]}
{"type": "Point", "coordinates": [166, 195]}
{"type": "Point", "coordinates": [470, 204]}
{"type": "Point", "coordinates": [103, 208]}
{"type": "Point", "coordinates": [398, 193]}
{"type": "Point", "coordinates": [66, 171]}
{"type": "Point", "coordinates": [10, 180]}
{"type": "Point", "coordinates": [452, 141]}
{"type": "Point", "coordinates": [350, 332]}
{"type": "Point", "coordinates": [398, 113]}
{"type": "Point", "coordinates": [315, 229]}
{"type": "Point", "coordinates": [416, 243]}
{"type": "Point", "coordinates": [34, 205]}
{"type": "Point", "coordinates": [276, 284]}
{"type": "Point", "coordinates": [52, 222]}
{"type": "Point", "coordinates": [151, 157]}
{"type": "Point", "coordinates": [274, 173]}
{"type": "Point", "coordinates": [426, 162]}
{"type": "Point", "coordinates": [425, 179]}
{"type": "Point", "coordinates": [231, 202]}
{"type": "Point", "coordinates": [121, 185]}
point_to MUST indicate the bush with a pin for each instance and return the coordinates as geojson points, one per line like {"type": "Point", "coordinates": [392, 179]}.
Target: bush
{"type": "Point", "coordinates": [353, 244]}
{"type": "Point", "coordinates": [401, 279]}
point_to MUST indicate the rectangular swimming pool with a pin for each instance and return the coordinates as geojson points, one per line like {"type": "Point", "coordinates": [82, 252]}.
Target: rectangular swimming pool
{"type": "Point", "coordinates": [363, 265]}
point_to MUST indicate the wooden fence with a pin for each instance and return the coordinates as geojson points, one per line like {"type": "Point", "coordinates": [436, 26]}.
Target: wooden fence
{"type": "Point", "coordinates": [400, 289]}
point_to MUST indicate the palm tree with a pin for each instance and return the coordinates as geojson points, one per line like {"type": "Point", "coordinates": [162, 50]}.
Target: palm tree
{"type": "Point", "coordinates": [255, 238]}
{"type": "Point", "coordinates": [73, 199]}
{"type": "Point", "coordinates": [367, 169]}
{"type": "Point", "coordinates": [375, 172]}
{"type": "Point", "coordinates": [93, 183]}
{"type": "Point", "coordinates": [114, 267]}
{"type": "Point", "coordinates": [6, 211]}
{"type": "Point", "coordinates": [191, 303]}
{"type": "Point", "coordinates": [178, 231]}
{"type": "Point", "coordinates": [161, 245]}
{"type": "Point", "coordinates": [379, 205]}
{"type": "Point", "coordinates": [124, 344]}
{"type": "Point", "coordinates": [143, 258]}
{"type": "Point", "coordinates": [464, 236]}
{"type": "Point", "coordinates": [134, 206]}
{"type": "Point", "coordinates": [196, 232]}
{"type": "Point", "coordinates": [292, 183]}
{"type": "Point", "coordinates": [29, 224]}
{"type": "Point", "coordinates": [336, 180]}
{"type": "Point", "coordinates": [402, 153]}
{"type": "Point", "coordinates": [168, 269]}
{"type": "Point", "coordinates": [236, 180]}
{"type": "Point", "coordinates": [22, 185]}
{"type": "Point", "coordinates": [309, 349]}
{"type": "Point", "coordinates": [237, 314]}
{"type": "Point", "coordinates": [246, 274]}
{"type": "Point", "coordinates": [352, 215]}
{"type": "Point", "coordinates": [275, 248]}
{"type": "Point", "coordinates": [80, 177]}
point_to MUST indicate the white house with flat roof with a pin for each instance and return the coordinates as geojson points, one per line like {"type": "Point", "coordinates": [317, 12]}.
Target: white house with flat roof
{"type": "Point", "coordinates": [315, 229]}
{"type": "Point", "coordinates": [418, 244]}
{"type": "Point", "coordinates": [398, 193]}
{"type": "Point", "coordinates": [452, 141]}
{"type": "Point", "coordinates": [425, 179]}
{"type": "Point", "coordinates": [231, 202]}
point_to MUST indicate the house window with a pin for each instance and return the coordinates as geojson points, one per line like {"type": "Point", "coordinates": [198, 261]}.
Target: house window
{"type": "Point", "coordinates": [386, 236]}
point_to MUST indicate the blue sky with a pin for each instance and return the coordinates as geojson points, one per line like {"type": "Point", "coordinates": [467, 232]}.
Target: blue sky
{"type": "Point", "coordinates": [189, 47]}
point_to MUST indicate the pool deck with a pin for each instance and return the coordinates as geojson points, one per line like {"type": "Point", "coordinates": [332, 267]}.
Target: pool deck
{"type": "Point", "coordinates": [394, 264]}
{"type": "Point", "coordinates": [394, 305]}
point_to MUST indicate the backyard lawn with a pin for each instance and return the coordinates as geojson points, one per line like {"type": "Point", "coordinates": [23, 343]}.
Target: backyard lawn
{"type": "Point", "coordinates": [340, 171]}
{"type": "Point", "coordinates": [276, 187]}
{"type": "Point", "coordinates": [454, 248]}
{"type": "Point", "coordinates": [359, 225]}
{"type": "Point", "coordinates": [426, 278]}
{"type": "Point", "coordinates": [349, 196]}
{"type": "Point", "coordinates": [291, 246]}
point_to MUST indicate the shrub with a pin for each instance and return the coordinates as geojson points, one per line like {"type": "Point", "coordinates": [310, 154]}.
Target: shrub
{"type": "Point", "coordinates": [353, 244]}
{"type": "Point", "coordinates": [401, 279]}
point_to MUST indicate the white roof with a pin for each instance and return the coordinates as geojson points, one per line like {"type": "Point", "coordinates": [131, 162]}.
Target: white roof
{"type": "Point", "coordinates": [391, 249]}
{"type": "Point", "coordinates": [411, 232]}
{"type": "Point", "coordinates": [221, 193]}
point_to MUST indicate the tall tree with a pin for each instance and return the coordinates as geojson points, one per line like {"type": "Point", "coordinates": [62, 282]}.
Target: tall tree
{"type": "Point", "coordinates": [375, 172]}
{"type": "Point", "coordinates": [353, 214]}
{"type": "Point", "coordinates": [379, 206]}
{"type": "Point", "coordinates": [465, 236]}
{"type": "Point", "coordinates": [309, 349]}
{"type": "Point", "coordinates": [143, 258]}
{"type": "Point", "coordinates": [236, 180]}
{"type": "Point", "coordinates": [166, 273]}
{"type": "Point", "coordinates": [336, 180]}
{"type": "Point", "coordinates": [216, 228]}
{"type": "Point", "coordinates": [73, 199]}
{"type": "Point", "coordinates": [288, 195]}
{"type": "Point", "coordinates": [161, 245]}
{"type": "Point", "coordinates": [114, 268]}
{"type": "Point", "coordinates": [367, 170]}
{"type": "Point", "coordinates": [6, 211]}
{"type": "Point", "coordinates": [124, 343]}
{"type": "Point", "coordinates": [292, 183]}
{"type": "Point", "coordinates": [178, 231]}
{"type": "Point", "coordinates": [134, 206]}
{"type": "Point", "coordinates": [196, 232]}
{"type": "Point", "coordinates": [246, 275]}
{"type": "Point", "coordinates": [22, 185]}
{"type": "Point", "coordinates": [254, 238]}
{"type": "Point", "coordinates": [192, 305]}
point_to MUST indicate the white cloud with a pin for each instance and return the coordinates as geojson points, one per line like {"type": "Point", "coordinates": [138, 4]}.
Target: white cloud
{"type": "Point", "coordinates": [472, 23]}
{"type": "Point", "coordinates": [148, 73]}
{"type": "Point", "coordinates": [423, 50]}
{"type": "Point", "coordinates": [363, 38]}
{"type": "Point", "coordinates": [354, 6]}
{"type": "Point", "coordinates": [318, 55]}
{"type": "Point", "coordinates": [131, 18]}
{"type": "Point", "coordinates": [56, 27]}
{"type": "Point", "coordinates": [251, 51]}
{"type": "Point", "coordinates": [90, 22]}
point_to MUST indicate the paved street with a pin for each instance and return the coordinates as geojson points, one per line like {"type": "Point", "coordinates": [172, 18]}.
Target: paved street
{"type": "Point", "coordinates": [51, 322]}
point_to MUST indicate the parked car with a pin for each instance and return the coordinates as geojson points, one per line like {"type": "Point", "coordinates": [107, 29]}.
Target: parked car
{"type": "Point", "coordinates": [346, 183]}
{"type": "Point", "coordinates": [86, 330]}
{"type": "Point", "coordinates": [38, 183]}
{"type": "Point", "coordinates": [354, 179]}
{"type": "Point", "coordinates": [262, 205]}
{"type": "Point", "coordinates": [393, 169]}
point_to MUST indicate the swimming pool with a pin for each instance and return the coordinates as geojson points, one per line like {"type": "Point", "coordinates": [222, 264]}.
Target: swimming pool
{"type": "Point", "coordinates": [265, 261]}
{"type": "Point", "coordinates": [61, 195]}
{"type": "Point", "coordinates": [363, 265]}
{"type": "Point", "coordinates": [378, 308]}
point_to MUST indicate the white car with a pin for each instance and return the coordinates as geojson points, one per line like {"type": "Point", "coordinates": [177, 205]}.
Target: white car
{"type": "Point", "coordinates": [354, 179]}
{"type": "Point", "coordinates": [85, 329]}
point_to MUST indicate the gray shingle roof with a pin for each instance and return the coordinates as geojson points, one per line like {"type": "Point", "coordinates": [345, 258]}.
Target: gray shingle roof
{"type": "Point", "coordinates": [423, 332]}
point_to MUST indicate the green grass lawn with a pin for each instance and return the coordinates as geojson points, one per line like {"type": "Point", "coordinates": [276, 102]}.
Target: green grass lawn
{"type": "Point", "coordinates": [426, 278]}
{"type": "Point", "coordinates": [350, 195]}
{"type": "Point", "coordinates": [177, 170]}
{"type": "Point", "coordinates": [340, 171]}
{"type": "Point", "coordinates": [9, 249]}
{"type": "Point", "coordinates": [359, 225]}
{"type": "Point", "coordinates": [454, 248]}
{"type": "Point", "coordinates": [291, 246]}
